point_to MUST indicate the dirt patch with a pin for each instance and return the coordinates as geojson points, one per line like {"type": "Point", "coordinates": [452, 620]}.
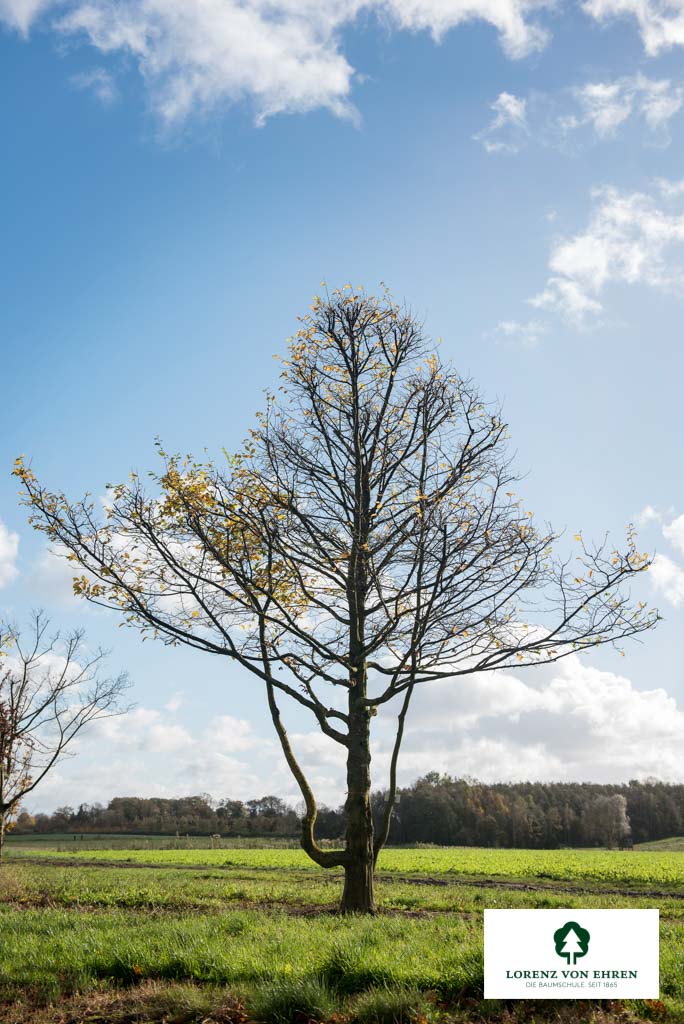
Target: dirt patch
{"type": "Point", "coordinates": [176, 1003]}
{"type": "Point", "coordinates": [157, 910]}
{"type": "Point", "coordinates": [150, 1001]}
{"type": "Point", "coordinates": [498, 883]}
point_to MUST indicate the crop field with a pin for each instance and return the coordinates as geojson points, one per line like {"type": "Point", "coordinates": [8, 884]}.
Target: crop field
{"type": "Point", "coordinates": [602, 866]}
{"type": "Point", "coordinates": [251, 934]}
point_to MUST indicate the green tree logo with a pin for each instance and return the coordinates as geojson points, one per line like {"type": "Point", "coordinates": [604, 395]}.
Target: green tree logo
{"type": "Point", "coordinates": [571, 941]}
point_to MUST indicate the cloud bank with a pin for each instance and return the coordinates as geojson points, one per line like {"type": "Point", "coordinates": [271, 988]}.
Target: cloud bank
{"type": "Point", "coordinates": [569, 722]}
{"type": "Point", "coordinates": [284, 56]}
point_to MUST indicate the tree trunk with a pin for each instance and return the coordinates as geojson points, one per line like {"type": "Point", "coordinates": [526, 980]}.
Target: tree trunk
{"type": "Point", "coordinates": [2, 835]}
{"type": "Point", "coordinates": [358, 896]}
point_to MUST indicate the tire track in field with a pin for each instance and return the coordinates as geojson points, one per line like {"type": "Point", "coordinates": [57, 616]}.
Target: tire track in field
{"type": "Point", "coordinates": [584, 890]}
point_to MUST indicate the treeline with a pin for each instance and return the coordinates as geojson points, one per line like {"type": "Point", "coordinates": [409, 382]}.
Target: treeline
{"type": "Point", "coordinates": [435, 809]}
{"type": "Point", "coordinates": [190, 815]}
{"type": "Point", "coordinates": [528, 815]}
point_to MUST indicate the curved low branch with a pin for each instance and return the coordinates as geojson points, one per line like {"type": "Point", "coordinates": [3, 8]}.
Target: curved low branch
{"type": "Point", "coordinates": [326, 858]}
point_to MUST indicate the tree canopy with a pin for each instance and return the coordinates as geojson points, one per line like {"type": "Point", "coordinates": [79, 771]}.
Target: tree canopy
{"type": "Point", "coordinates": [368, 538]}
{"type": "Point", "coordinates": [51, 687]}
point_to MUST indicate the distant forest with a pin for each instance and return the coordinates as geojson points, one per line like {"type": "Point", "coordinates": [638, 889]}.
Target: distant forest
{"type": "Point", "coordinates": [436, 809]}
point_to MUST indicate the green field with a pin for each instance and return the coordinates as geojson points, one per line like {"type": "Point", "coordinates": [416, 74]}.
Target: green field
{"type": "Point", "coordinates": [245, 933]}
{"type": "Point", "coordinates": [602, 866]}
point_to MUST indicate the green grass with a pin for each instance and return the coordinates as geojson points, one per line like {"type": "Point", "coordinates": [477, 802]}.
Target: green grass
{"type": "Point", "coordinates": [255, 928]}
{"type": "Point", "coordinates": [672, 845]}
{"type": "Point", "coordinates": [51, 952]}
{"type": "Point", "coordinates": [389, 1006]}
{"type": "Point", "coordinates": [288, 1000]}
{"type": "Point", "coordinates": [172, 889]}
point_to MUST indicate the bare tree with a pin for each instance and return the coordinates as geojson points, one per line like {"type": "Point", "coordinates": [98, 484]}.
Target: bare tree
{"type": "Point", "coordinates": [50, 688]}
{"type": "Point", "coordinates": [365, 541]}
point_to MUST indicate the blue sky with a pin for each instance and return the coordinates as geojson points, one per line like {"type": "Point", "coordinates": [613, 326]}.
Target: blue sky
{"type": "Point", "coordinates": [177, 180]}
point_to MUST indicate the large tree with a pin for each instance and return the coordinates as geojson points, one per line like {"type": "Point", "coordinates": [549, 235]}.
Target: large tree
{"type": "Point", "coordinates": [366, 540]}
{"type": "Point", "coordinates": [51, 687]}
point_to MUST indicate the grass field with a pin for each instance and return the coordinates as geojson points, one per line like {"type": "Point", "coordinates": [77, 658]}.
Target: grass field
{"type": "Point", "coordinates": [675, 845]}
{"type": "Point", "coordinates": [246, 934]}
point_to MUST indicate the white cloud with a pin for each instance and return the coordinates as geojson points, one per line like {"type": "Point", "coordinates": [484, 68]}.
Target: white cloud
{"type": "Point", "coordinates": [666, 575]}
{"type": "Point", "coordinates": [507, 131]}
{"type": "Point", "coordinates": [660, 22]}
{"type": "Point", "coordinates": [175, 703]}
{"type": "Point", "coordinates": [51, 578]}
{"type": "Point", "coordinates": [9, 553]}
{"type": "Point", "coordinates": [229, 733]}
{"type": "Point", "coordinates": [99, 82]}
{"type": "Point", "coordinates": [518, 36]}
{"type": "Point", "coordinates": [630, 239]}
{"type": "Point", "coordinates": [607, 105]}
{"type": "Point", "coordinates": [597, 108]}
{"type": "Point", "coordinates": [282, 55]}
{"type": "Point", "coordinates": [660, 103]}
{"type": "Point", "coordinates": [163, 738]}
{"type": "Point", "coordinates": [583, 724]}
{"type": "Point", "coordinates": [527, 334]}
{"type": "Point", "coordinates": [674, 532]}
{"type": "Point", "coordinates": [197, 54]}
{"type": "Point", "coordinates": [668, 579]}
{"type": "Point", "coordinates": [20, 14]}
{"type": "Point", "coordinates": [567, 297]}
{"type": "Point", "coordinates": [144, 753]}
{"type": "Point", "coordinates": [145, 730]}
{"type": "Point", "coordinates": [670, 189]}
{"type": "Point", "coordinates": [648, 514]}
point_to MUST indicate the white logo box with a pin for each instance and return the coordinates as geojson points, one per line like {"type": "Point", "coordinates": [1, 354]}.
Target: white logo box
{"type": "Point", "coordinates": [571, 954]}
